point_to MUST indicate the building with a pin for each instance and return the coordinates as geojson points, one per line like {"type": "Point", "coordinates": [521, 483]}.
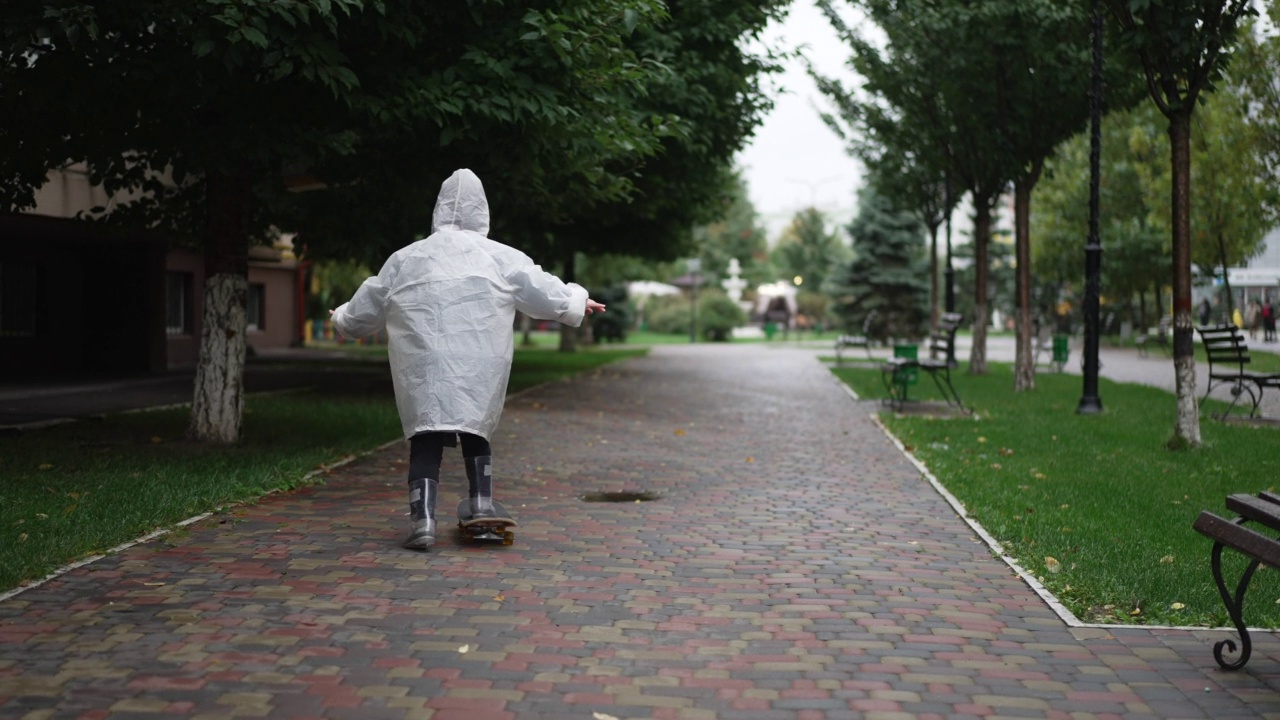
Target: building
{"type": "Point", "coordinates": [80, 298]}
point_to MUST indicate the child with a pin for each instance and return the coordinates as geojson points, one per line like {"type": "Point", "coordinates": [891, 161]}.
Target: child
{"type": "Point", "coordinates": [448, 304]}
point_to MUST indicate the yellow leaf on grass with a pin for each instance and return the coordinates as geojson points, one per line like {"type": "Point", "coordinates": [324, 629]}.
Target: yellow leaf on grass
{"type": "Point", "coordinates": [45, 466]}
{"type": "Point", "coordinates": [1177, 606]}
{"type": "Point", "coordinates": [1167, 559]}
{"type": "Point", "coordinates": [22, 537]}
{"type": "Point", "coordinates": [1052, 565]}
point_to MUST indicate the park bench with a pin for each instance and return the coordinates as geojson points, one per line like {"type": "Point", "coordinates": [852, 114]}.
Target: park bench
{"type": "Point", "coordinates": [1160, 338]}
{"type": "Point", "coordinates": [1228, 354]}
{"type": "Point", "coordinates": [900, 372]}
{"type": "Point", "coordinates": [1259, 548]}
{"type": "Point", "coordinates": [854, 341]}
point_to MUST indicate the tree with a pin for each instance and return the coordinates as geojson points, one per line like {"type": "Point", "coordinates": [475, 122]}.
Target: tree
{"type": "Point", "coordinates": [935, 76]}
{"type": "Point", "coordinates": [738, 234]}
{"type": "Point", "coordinates": [1184, 46]}
{"type": "Point", "coordinates": [1253, 71]}
{"type": "Point", "coordinates": [887, 273]}
{"type": "Point", "coordinates": [197, 108]}
{"type": "Point", "coordinates": [1137, 257]}
{"type": "Point", "coordinates": [1235, 203]}
{"type": "Point", "coordinates": [807, 251]}
{"type": "Point", "coordinates": [901, 155]}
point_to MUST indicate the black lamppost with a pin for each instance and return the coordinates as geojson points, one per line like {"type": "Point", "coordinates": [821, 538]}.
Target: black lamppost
{"type": "Point", "coordinates": [949, 274]}
{"type": "Point", "coordinates": [1090, 402]}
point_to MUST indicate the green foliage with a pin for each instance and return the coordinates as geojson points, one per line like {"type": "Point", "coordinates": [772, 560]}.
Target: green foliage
{"type": "Point", "coordinates": [669, 314]}
{"type": "Point", "coordinates": [808, 250]}
{"type": "Point", "coordinates": [737, 235]}
{"type": "Point", "coordinates": [618, 318]}
{"type": "Point", "coordinates": [888, 274]}
{"type": "Point", "coordinates": [718, 316]}
{"type": "Point", "coordinates": [333, 283]}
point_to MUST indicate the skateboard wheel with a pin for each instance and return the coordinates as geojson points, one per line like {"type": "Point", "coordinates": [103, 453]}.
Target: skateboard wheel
{"type": "Point", "coordinates": [508, 538]}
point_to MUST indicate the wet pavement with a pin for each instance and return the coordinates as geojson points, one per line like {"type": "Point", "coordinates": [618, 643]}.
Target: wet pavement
{"type": "Point", "coordinates": [796, 565]}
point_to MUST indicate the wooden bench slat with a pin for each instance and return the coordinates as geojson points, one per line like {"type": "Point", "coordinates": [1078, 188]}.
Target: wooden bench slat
{"type": "Point", "coordinates": [1239, 538]}
{"type": "Point", "coordinates": [1256, 509]}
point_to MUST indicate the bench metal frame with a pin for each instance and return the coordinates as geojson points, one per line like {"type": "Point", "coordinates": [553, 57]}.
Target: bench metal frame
{"type": "Point", "coordinates": [941, 360]}
{"type": "Point", "coordinates": [862, 341]}
{"type": "Point", "coordinates": [1259, 548]}
{"type": "Point", "coordinates": [1228, 354]}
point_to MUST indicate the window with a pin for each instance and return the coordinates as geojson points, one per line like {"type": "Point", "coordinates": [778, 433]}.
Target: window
{"type": "Point", "coordinates": [255, 306]}
{"type": "Point", "coordinates": [177, 303]}
{"type": "Point", "coordinates": [20, 300]}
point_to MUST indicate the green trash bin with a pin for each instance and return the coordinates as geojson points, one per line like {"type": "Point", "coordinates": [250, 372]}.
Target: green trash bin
{"type": "Point", "coordinates": [907, 375]}
{"type": "Point", "coordinates": [1061, 350]}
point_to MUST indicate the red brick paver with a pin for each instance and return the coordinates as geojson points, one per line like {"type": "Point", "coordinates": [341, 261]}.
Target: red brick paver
{"type": "Point", "coordinates": [795, 566]}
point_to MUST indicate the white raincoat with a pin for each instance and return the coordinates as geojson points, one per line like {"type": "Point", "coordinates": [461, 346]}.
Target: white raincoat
{"type": "Point", "coordinates": [448, 304]}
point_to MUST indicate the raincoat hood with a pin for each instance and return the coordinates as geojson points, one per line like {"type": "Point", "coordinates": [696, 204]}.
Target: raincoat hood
{"type": "Point", "coordinates": [461, 205]}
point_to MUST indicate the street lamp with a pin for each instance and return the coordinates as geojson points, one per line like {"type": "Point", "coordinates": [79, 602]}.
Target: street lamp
{"type": "Point", "coordinates": [1090, 402]}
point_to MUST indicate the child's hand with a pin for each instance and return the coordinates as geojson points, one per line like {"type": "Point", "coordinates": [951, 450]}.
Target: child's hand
{"type": "Point", "coordinates": [593, 306]}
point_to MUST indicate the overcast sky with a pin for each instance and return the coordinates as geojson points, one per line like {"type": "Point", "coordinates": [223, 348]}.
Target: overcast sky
{"type": "Point", "coordinates": [795, 160]}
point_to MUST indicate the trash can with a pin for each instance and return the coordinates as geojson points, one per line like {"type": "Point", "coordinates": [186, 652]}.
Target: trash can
{"type": "Point", "coordinates": [907, 375]}
{"type": "Point", "coordinates": [1061, 350]}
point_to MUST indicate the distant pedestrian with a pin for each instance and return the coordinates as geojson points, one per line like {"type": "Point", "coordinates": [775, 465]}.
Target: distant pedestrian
{"type": "Point", "coordinates": [448, 304]}
{"type": "Point", "coordinates": [1269, 320]}
{"type": "Point", "coordinates": [1206, 312]}
{"type": "Point", "coordinates": [1253, 318]}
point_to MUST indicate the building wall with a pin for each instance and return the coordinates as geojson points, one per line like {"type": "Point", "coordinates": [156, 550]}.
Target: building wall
{"type": "Point", "coordinates": [102, 292]}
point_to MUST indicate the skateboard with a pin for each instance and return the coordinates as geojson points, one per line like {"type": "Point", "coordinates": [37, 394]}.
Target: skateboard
{"type": "Point", "coordinates": [488, 529]}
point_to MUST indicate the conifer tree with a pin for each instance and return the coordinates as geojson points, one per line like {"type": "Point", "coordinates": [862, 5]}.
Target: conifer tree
{"type": "Point", "coordinates": [889, 272]}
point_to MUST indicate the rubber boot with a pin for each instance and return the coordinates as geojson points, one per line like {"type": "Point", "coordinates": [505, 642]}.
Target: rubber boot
{"type": "Point", "coordinates": [480, 480]}
{"type": "Point", "coordinates": [422, 514]}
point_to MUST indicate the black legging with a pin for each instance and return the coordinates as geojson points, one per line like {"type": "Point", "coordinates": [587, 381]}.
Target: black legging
{"type": "Point", "coordinates": [427, 449]}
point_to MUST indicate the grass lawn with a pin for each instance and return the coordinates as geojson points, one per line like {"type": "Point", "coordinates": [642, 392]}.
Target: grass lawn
{"type": "Point", "coordinates": [1096, 506]}
{"type": "Point", "coordinates": [74, 490]}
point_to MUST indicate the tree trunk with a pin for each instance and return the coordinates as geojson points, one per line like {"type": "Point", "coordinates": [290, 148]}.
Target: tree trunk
{"type": "Point", "coordinates": [1226, 277]}
{"type": "Point", "coordinates": [933, 276]}
{"type": "Point", "coordinates": [217, 406]}
{"type": "Point", "coordinates": [568, 334]}
{"type": "Point", "coordinates": [526, 329]}
{"type": "Point", "coordinates": [981, 243]}
{"type": "Point", "coordinates": [1187, 426]}
{"type": "Point", "coordinates": [1024, 366]}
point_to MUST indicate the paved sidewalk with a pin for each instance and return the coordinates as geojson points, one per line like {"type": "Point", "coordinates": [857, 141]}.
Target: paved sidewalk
{"type": "Point", "coordinates": [796, 566]}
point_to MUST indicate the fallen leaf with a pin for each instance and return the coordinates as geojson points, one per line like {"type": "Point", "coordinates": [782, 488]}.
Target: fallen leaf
{"type": "Point", "coordinates": [1177, 606]}
{"type": "Point", "coordinates": [750, 459]}
{"type": "Point", "coordinates": [41, 516]}
{"type": "Point", "coordinates": [499, 598]}
{"type": "Point", "coordinates": [679, 431]}
{"type": "Point", "coordinates": [464, 649]}
{"type": "Point", "coordinates": [982, 439]}
{"type": "Point", "coordinates": [603, 716]}
{"type": "Point", "coordinates": [1006, 451]}
{"type": "Point", "coordinates": [1052, 565]}
{"type": "Point", "coordinates": [45, 466]}
{"type": "Point", "coordinates": [157, 439]}
{"type": "Point", "coordinates": [1167, 559]}
{"type": "Point", "coordinates": [22, 537]}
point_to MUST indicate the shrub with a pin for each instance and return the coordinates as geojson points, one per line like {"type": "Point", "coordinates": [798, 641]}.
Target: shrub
{"type": "Point", "coordinates": [718, 316]}
{"type": "Point", "coordinates": [612, 325]}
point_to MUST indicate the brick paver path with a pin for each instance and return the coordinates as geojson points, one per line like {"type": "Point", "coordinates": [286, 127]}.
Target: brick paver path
{"type": "Point", "coordinates": [796, 566]}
